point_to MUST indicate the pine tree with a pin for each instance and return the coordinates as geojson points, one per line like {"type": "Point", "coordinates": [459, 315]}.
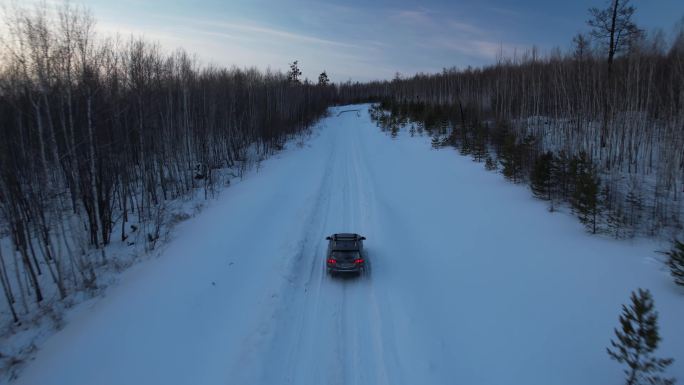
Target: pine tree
{"type": "Point", "coordinates": [444, 141]}
{"type": "Point", "coordinates": [394, 129]}
{"type": "Point", "coordinates": [510, 158]}
{"type": "Point", "coordinates": [435, 142]}
{"type": "Point", "coordinates": [466, 145]}
{"type": "Point", "coordinates": [540, 177]}
{"type": "Point", "coordinates": [635, 205]}
{"type": "Point", "coordinates": [490, 165]}
{"type": "Point", "coordinates": [294, 73]}
{"type": "Point", "coordinates": [615, 218]}
{"type": "Point", "coordinates": [443, 126]}
{"type": "Point", "coordinates": [323, 79]}
{"type": "Point", "coordinates": [676, 262]}
{"type": "Point", "coordinates": [636, 341]}
{"type": "Point", "coordinates": [480, 144]}
{"type": "Point", "coordinates": [585, 200]}
{"type": "Point", "coordinates": [560, 174]}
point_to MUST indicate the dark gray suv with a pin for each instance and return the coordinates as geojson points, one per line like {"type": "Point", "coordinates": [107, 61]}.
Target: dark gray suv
{"type": "Point", "coordinates": [345, 254]}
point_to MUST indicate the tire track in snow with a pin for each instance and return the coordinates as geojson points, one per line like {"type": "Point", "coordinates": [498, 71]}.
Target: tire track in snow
{"type": "Point", "coordinates": [257, 359]}
{"type": "Point", "coordinates": [321, 330]}
{"type": "Point", "coordinates": [382, 338]}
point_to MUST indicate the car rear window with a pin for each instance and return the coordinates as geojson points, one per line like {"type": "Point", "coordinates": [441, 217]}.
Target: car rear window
{"type": "Point", "coordinates": [345, 244]}
{"type": "Point", "coordinates": [346, 256]}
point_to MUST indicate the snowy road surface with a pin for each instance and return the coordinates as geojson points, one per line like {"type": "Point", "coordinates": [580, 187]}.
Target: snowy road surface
{"type": "Point", "coordinates": [473, 282]}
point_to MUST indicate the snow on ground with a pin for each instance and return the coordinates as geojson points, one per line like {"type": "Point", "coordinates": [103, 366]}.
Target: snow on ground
{"type": "Point", "coordinates": [472, 282]}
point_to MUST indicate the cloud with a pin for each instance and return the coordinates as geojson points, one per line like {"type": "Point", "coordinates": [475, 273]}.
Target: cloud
{"type": "Point", "coordinates": [285, 34]}
{"type": "Point", "coordinates": [482, 49]}
{"type": "Point", "coordinates": [413, 17]}
{"type": "Point", "coordinates": [504, 11]}
{"type": "Point", "coordinates": [464, 27]}
{"type": "Point", "coordinates": [265, 31]}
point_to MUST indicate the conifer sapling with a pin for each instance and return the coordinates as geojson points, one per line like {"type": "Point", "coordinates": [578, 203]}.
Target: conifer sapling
{"type": "Point", "coordinates": [637, 339]}
{"type": "Point", "coordinates": [676, 262]}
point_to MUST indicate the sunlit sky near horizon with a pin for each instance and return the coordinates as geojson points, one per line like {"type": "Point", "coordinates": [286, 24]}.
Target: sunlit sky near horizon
{"type": "Point", "coordinates": [360, 40]}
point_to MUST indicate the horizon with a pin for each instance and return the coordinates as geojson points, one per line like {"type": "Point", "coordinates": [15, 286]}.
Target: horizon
{"type": "Point", "coordinates": [403, 37]}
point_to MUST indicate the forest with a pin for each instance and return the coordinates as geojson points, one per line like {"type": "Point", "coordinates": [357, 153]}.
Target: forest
{"type": "Point", "coordinates": [599, 127]}
{"type": "Point", "coordinates": [100, 134]}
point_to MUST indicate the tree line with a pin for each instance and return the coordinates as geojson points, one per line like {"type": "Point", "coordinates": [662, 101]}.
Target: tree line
{"type": "Point", "coordinates": [98, 134]}
{"type": "Point", "coordinates": [612, 106]}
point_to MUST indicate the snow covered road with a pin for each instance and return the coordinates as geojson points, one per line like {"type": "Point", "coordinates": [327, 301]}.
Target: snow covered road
{"type": "Point", "coordinates": [472, 282]}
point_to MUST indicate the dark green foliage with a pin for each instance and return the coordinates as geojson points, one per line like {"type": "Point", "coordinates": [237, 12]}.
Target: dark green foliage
{"type": "Point", "coordinates": [294, 73]}
{"type": "Point", "coordinates": [634, 204]}
{"type": "Point", "coordinates": [480, 143]}
{"type": "Point", "coordinates": [615, 218]}
{"type": "Point", "coordinates": [636, 341]}
{"type": "Point", "coordinates": [528, 152]}
{"type": "Point", "coordinates": [553, 176]}
{"type": "Point", "coordinates": [394, 130]}
{"type": "Point", "coordinates": [443, 126]}
{"type": "Point", "coordinates": [540, 178]}
{"type": "Point", "coordinates": [561, 176]}
{"type": "Point", "coordinates": [616, 222]}
{"type": "Point", "coordinates": [585, 198]}
{"type": "Point", "coordinates": [490, 164]}
{"type": "Point", "coordinates": [676, 262]}
{"type": "Point", "coordinates": [466, 145]}
{"type": "Point", "coordinates": [323, 79]}
{"type": "Point", "coordinates": [511, 158]}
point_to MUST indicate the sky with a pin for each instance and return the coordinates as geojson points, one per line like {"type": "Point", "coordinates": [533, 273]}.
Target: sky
{"type": "Point", "coordinates": [361, 40]}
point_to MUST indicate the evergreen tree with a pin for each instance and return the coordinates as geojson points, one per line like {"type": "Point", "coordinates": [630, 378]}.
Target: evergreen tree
{"type": "Point", "coordinates": [480, 143]}
{"type": "Point", "coordinates": [585, 199]}
{"type": "Point", "coordinates": [443, 126]}
{"type": "Point", "coordinates": [435, 142]}
{"type": "Point", "coordinates": [323, 79]}
{"type": "Point", "coordinates": [676, 262]}
{"type": "Point", "coordinates": [540, 177]}
{"type": "Point", "coordinates": [636, 341]}
{"type": "Point", "coordinates": [510, 158]}
{"type": "Point", "coordinates": [616, 220]}
{"type": "Point", "coordinates": [635, 205]}
{"type": "Point", "coordinates": [294, 73]}
{"type": "Point", "coordinates": [394, 129]}
{"type": "Point", "coordinates": [560, 174]}
{"type": "Point", "coordinates": [490, 164]}
{"type": "Point", "coordinates": [466, 144]}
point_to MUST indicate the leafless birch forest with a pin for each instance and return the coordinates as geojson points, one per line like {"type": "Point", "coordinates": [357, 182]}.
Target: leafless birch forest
{"type": "Point", "coordinates": [97, 134]}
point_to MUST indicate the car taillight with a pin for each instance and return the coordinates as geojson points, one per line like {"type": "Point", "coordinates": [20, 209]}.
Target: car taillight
{"type": "Point", "coordinates": [358, 260]}
{"type": "Point", "coordinates": [332, 261]}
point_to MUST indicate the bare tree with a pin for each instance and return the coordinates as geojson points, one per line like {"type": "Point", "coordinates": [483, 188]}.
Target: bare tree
{"type": "Point", "coordinates": [100, 134]}
{"type": "Point", "coordinates": [614, 29]}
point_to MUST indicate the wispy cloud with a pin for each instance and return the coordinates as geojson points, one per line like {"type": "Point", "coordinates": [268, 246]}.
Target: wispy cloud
{"type": "Point", "coordinates": [413, 17]}
{"type": "Point", "coordinates": [504, 11]}
{"type": "Point", "coordinates": [464, 27]}
{"type": "Point", "coordinates": [478, 48]}
{"type": "Point", "coordinates": [272, 32]}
